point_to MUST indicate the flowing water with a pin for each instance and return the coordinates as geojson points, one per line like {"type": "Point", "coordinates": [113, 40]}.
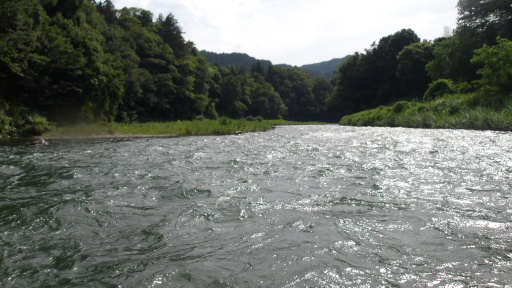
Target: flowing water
{"type": "Point", "coordinates": [303, 206]}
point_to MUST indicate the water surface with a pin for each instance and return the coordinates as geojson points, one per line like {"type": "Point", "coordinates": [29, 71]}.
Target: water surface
{"type": "Point", "coordinates": [303, 206]}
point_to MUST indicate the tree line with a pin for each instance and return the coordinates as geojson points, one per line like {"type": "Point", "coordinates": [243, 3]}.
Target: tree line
{"type": "Point", "coordinates": [71, 61]}
{"type": "Point", "coordinates": [402, 67]}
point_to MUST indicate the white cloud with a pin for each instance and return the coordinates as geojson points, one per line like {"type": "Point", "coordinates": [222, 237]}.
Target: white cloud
{"type": "Point", "coordinates": [299, 32]}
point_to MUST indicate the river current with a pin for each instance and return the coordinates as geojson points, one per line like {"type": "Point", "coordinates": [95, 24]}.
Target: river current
{"type": "Point", "coordinates": [301, 206]}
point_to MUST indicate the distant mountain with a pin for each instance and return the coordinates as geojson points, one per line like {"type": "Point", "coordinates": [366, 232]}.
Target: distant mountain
{"type": "Point", "coordinates": [241, 60]}
{"type": "Point", "coordinates": [325, 68]}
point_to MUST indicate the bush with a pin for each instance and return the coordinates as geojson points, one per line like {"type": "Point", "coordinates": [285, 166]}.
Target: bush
{"type": "Point", "coordinates": [250, 118]}
{"type": "Point", "coordinates": [439, 88]}
{"type": "Point", "coordinates": [259, 119]}
{"type": "Point", "coordinates": [400, 106]}
{"type": "Point", "coordinates": [211, 112]}
{"type": "Point", "coordinates": [225, 121]}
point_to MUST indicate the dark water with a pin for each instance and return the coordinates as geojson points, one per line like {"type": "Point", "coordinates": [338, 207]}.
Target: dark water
{"type": "Point", "coordinates": [320, 206]}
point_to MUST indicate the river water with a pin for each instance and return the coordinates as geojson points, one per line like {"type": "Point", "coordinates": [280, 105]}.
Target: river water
{"type": "Point", "coordinates": [302, 206]}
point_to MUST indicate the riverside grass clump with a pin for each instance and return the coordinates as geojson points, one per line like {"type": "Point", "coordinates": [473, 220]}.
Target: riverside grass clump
{"type": "Point", "coordinates": [453, 111]}
{"type": "Point", "coordinates": [222, 126]}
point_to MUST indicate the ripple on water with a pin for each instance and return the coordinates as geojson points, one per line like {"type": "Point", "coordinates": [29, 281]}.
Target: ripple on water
{"type": "Point", "coordinates": [315, 206]}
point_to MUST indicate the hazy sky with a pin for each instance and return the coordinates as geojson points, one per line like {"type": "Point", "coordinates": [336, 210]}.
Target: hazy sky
{"type": "Point", "coordinates": [300, 32]}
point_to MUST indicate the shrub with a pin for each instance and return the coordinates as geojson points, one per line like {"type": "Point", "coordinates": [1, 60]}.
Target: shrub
{"type": "Point", "coordinates": [439, 88]}
{"type": "Point", "coordinates": [259, 119]}
{"type": "Point", "coordinates": [400, 106]}
{"type": "Point", "coordinates": [225, 120]}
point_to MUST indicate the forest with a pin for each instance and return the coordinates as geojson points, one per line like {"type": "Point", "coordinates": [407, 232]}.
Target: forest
{"type": "Point", "coordinates": [462, 80]}
{"type": "Point", "coordinates": [80, 61]}
{"type": "Point", "coordinates": [65, 62]}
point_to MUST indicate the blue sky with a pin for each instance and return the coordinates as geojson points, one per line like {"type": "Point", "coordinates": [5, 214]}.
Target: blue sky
{"type": "Point", "coordinates": [299, 32]}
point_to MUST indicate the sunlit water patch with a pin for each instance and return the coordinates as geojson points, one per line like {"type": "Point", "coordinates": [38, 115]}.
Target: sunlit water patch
{"type": "Point", "coordinates": [304, 206]}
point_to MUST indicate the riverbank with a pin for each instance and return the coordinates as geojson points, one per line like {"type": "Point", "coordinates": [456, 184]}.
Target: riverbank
{"type": "Point", "coordinates": [460, 111]}
{"type": "Point", "coordinates": [223, 126]}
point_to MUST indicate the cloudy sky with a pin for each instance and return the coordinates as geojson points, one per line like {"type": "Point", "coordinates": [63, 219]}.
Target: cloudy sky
{"type": "Point", "coordinates": [298, 32]}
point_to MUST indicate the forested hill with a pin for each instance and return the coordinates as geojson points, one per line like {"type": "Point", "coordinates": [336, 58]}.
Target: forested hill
{"type": "Point", "coordinates": [238, 60]}
{"type": "Point", "coordinates": [325, 68]}
{"type": "Point", "coordinates": [244, 61]}
{"type": "Point", "coordinates": [76, 61]}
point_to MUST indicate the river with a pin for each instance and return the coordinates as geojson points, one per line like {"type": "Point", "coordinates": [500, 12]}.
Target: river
{"type": "Point", "coordinates": [301, 206]}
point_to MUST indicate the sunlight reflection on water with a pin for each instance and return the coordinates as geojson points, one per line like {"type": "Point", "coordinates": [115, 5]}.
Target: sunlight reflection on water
{"type": "Point", "coordinates": [297, 206]}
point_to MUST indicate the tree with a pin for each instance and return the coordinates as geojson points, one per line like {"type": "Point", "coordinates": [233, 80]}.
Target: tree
{"type": "Point", "coordinates": [497, 67]}
{"type": "Point", "coordinates": [264, 100]}
{"type": "Point", "coordinates": [322, 88]}
{"type": "Point", "coordinates": [411, 69]}
{"type": "Point", "coordinates": [20, 29]}
{"type": "Point", "coordinates": [172, 34]}
{"type": "Point", "coordinates": [491, 17]}
{"type": "Point", "coordinates": [107, 9]}
{"type": "Point", "coordinates": [295, 86]}
{"type": "Point", "coordinates": [369, 80]}
{"type": "Point", "coordinates": [478, 13]}
{"type": "Point", "coordinates": [453, 55]}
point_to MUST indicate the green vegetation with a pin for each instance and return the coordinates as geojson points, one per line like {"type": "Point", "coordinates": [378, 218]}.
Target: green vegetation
{"type": "Point", "coordinates": [69, 62]}
{"type": "Point", "coordinates": [470, 76]}
{"type": "Point", "coordinates": [460, 111]}
{"type": "Point", "coordinates": [222, 126]}
{"type": "Point", "coordinates": [66, 62]}
{"type": "Point", "coordinates": [489, 107]}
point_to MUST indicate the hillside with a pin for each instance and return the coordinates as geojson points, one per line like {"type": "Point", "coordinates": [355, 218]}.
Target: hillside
{"type": "Point", "coordinates": [239, 60]}
{"type": "Point", "coordinates": [325, 68]}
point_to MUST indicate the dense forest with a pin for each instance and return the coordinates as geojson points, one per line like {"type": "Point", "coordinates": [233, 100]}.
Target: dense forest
{"type": "Point", "coordinates": [75, 61]}
{"type": "Point", "coordinates": [242, 61]}
{"type": "Point", "coordinates": [326, 68]}
{"type": "Point", "coordinates": [475, 62]}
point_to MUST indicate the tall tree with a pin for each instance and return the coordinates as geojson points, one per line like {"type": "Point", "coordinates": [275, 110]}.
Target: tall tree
{"type": "Point", "coordinates": [172, 34]}
{"type": "Point", "coordinates": [491, 17]}
{"type": "Point", "coordinates": [411, 69]}
{"type": "Point", "coordinates": [295, 86]}
{"type": "Point", "coordinates": [368, 80]}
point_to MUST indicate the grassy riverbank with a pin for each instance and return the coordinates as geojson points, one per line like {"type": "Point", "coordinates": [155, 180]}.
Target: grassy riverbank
{"type": "Point", "coordinates": [223, 126]}
{"type": "Point", "coordinates": [460, 111]}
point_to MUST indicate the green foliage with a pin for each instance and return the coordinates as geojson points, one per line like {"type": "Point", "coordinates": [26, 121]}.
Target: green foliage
{"type": "Point", "coordinates": [295, 87]}
{"type": "Point", "coordinates": [486, 15]}
{"type": "Point", "coordinates": [368, 80]}
{"type": "Point", "coordinates": [237, 60]}
{"type": "Point", "coordinates": [450, 101]}
{"type": "Point", "coordinates": [438, 89]}
{"type": "Point", "coordinates": [411, 68]}
{"type": "Point", "coordinates": [326, 69]}
{"type": "Point", "coordinates": [452, 57]}
{"type": "Point", "coordinates": [497, 67]}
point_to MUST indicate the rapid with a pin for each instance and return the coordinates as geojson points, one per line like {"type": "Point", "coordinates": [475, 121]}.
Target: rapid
{"type": "Point", "coordinates": [298, 206]}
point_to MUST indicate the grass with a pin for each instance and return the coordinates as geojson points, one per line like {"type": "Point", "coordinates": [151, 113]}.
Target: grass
{"type": "Point", "coordinates": [460, 111]}
{"type": "Point", "coordinates": [223, 126]}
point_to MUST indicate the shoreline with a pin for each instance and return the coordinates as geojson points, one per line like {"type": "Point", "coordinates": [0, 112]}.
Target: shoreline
{"type": "Point", "coordinates": [104, 136]}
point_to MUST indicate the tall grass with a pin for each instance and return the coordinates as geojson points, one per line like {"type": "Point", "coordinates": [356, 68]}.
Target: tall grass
{"type": "Point", "coordinates": [223, 126]}
{"type": "Point", "coordinates": [462, 111]}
